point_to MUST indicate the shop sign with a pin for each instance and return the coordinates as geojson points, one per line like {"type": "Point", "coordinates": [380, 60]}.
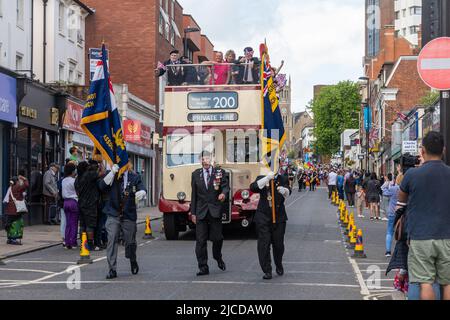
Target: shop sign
{"type": "Point", "coordinates": [8, 98]}
{"type": "Point", "coordinates": [132, 130]}
{"type": "Point", "coordinates": [28, 112]}
{"type": "Point", "coordinates": [73, 116]}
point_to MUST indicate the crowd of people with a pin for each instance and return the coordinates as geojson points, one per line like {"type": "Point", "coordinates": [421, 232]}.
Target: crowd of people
{"type": "Point", "coordinates": [225, 69]}
{"type": "Point", "coordinates": [85, 197]}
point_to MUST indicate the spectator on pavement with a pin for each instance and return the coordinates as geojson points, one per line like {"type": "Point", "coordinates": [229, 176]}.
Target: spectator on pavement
{"type": "Point", "coordinates": [390, 191]}
{"type": "Point", "coordinates": [70, 206]}
{"type": "Point", "coordinates": [50, 190]}
{"type": "Point", "coordinates": [426, 193]}
{"type": "Point", "coordinates": [384, 204]}
{"type": "Point", "coordinates": [373, 196]}
{"type": "Point", "coordinates": [332, 180]}
{"type": "Point", "coordinates": [13, 217]}
{"type": "Point", "coordinates": [350, 189]}
{"type": "Point", "coordinates": [340, 184]}
{"type": "Point", "coordinates": [360, 200]}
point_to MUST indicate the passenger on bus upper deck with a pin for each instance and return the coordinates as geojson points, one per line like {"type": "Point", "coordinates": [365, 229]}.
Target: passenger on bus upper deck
{"type": "Point", "coordinates": [230, 57]}
{"type": "Point", "coordinates": [249, 71]}
{"type": "Point", "coordinates": [219, 71]}
{"type": "Point", "coordinates": [191, 76]}
{"type": "Point", "coordinates": [175, 74]}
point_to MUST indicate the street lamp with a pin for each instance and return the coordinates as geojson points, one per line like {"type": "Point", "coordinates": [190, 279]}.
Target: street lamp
{"type": "Point", "coordinates": [369, 93]}
{"type": "Point", "coordinates": [186, 31]}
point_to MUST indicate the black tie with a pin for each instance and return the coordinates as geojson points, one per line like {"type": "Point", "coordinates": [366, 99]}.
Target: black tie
{"type": "Point", "coordinates": [208, 177]}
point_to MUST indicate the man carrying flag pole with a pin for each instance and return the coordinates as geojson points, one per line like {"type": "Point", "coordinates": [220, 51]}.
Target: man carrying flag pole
{"type": "Point", "coordinates": [101, 122]}
{"type": "Point", "coordinates": [270, 217]}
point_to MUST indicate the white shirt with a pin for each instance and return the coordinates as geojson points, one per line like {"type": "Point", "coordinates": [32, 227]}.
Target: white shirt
{"type": "Point", "coordinates": [332, 179]}
{"type": "Point", "coordinates": [68, 188]}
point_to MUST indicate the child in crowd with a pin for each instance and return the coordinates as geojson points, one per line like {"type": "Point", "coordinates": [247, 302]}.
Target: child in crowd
{"type": "Point", "coordinates": [360, 198]}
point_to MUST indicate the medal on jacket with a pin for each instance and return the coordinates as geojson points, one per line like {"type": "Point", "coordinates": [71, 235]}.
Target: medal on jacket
{"type": "Point", "coordinates": [217, 178]}
{"type": "Point", "coordinates": [269, 197]}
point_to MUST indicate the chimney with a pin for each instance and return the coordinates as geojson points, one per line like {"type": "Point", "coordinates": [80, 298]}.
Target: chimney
{"type": "Point", "coordinates": [389, 43]}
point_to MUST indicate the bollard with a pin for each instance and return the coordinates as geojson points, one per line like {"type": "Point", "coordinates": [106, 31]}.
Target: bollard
{"type": "Point", "coordinates": [359, 246]}
{"type": "Point", "coordinates": [148, 234]}
{"type": "Point", "coordinates": [85, 257]}
{"type": "Point", "coordinates": [353, 236]}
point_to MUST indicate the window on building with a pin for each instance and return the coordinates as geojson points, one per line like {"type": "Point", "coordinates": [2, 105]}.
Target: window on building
{"type": "Point", "coordinates": [167, 6]}
{"type": "Point", "coordinates": [404, 13]}
{"type": "Point", "coordinates": [19, 11]}
{"type": "Point", "coordinates": [161, 23]}
{"type": "Point", "coordinates": [72, 67]}
{"type": "Point", "coordinates": [414, 29]}
{"type": "Point", "coordinates": [415, 10]}
{"type": "Point", "coordinates": [72, 25]}
{"type": "Point", "coordinates": [167, 31]}
{"type": "Point", "coordinates": [61, 18]}
{"type": "Point", "coordinates": [172, 9]}
{"type": "Point", "coordinates": [19, 61]}
{"type": "Point", "coordinates": [79, 78]}
{"type": "Point", "coordinates": [172, 36]}
{"type": "Point", "coordinates": [1, 8]}
{"type": "Point", "coordinates": [404, 32]}
{"type": "Point", "coordinates": [397, 15]}
{"type": "Point", "coordinates": [61, 72]}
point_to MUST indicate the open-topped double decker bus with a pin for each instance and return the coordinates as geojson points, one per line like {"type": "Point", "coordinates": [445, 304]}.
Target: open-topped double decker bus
{"type": "Point", "coordinates": [222, 119]}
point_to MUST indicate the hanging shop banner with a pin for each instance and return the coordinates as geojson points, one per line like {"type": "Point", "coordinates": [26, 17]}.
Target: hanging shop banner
{"type": "Point", "coordinates": [367, 118]}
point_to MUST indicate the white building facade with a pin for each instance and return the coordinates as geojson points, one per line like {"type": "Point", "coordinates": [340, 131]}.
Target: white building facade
{"type": "Point", "coordinates": [408, 19]}
{"type": "Point", "coordinates": [62, 58]}
{"type": "Point", "coordinates": [16, 35]}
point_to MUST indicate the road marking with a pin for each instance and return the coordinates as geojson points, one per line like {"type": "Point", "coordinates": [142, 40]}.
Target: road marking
{"type": "Point", "coordinates": [364, 290]}
{"type": "Point", "coordinates": [313, 262]}
{"type": "Point", "coordinates": [37, 261]}
{"type": "Point", "coordinates": [299, 198]}
{"type": "Point", "coordinates": [26, 270]}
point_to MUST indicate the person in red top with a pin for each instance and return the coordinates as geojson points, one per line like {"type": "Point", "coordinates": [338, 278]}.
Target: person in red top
{"type": "Point", "coordinates": [14, 219]}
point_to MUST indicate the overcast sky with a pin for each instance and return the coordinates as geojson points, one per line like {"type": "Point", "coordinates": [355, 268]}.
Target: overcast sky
{"type": "Point", "coordinates": [321, 41]}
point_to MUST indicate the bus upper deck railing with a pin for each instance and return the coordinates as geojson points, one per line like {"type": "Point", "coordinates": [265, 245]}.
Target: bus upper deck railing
{"type": "Point", "coordinates": [208, 73]}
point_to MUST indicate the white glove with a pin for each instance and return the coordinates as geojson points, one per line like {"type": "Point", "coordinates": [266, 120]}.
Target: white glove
{"type": "Point", "coordinates": [109, 179]}
{"type": "Point", "coordinates": [140, 195]}
{"type": "Point", "coordinates": [115, 168]}
{"type": "Point", "coordinates": [262, 182]}
{"type": "Point", "coordinates": [283, 191]}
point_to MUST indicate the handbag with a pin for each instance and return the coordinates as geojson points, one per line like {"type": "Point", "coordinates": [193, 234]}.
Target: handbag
{"type": "Point", "coordinates": [21, 206]}
{"type": "Point", "coordinates": [399, 228]}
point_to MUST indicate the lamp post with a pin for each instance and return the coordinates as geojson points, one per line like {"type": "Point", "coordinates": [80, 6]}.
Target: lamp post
{"type": "Point", "coordinates": [186, 31]}
{"type": "Point", "coordinates": [369, 93]}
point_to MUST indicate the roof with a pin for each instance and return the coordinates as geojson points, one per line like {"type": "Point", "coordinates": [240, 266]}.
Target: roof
{"type": "Point", "coordinates": [85, 7]}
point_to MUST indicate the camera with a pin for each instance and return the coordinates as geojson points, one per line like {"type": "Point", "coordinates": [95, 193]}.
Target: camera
{"type": "Point", "coordinates": [409, 161]}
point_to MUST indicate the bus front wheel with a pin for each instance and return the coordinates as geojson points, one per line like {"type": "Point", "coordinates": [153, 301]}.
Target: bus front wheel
{"type": "Point", "coordinates": [170, 226]}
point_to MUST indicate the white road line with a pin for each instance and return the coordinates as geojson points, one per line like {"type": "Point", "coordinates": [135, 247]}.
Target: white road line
{"type": "Point", "coordinates": [290, 204]}
{"type": "Point", "coordinates": [364, 290]}
{"type": "Point", "coordinates": [37, 261]}
{"type": "Point", "coordinates": [314, 262]}
{"type": "Point", "coordinates": [26, 270]}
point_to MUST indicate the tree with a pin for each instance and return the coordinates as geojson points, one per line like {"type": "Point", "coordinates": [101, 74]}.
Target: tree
{"type": "Point", "coordinates": [335, 110]}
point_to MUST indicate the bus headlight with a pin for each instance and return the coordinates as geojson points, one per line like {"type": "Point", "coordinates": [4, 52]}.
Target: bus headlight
{"type": "Point", "coordinates": [245, 194]}
{"type": "Point", "coordinates": [181, 196]}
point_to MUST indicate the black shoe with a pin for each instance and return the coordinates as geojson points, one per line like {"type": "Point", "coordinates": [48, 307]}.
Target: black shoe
{"type": "Point", "coordinates": [267, 276]}
{"type": "Point", "coordinates": [111, 275]}
{"type": "Point", "coordinates": [134, 267]}
{"type": "Point", "coordinates": [203, 272]}
{"type": "Point", "coordinates": [280, 271]}
{"type": "Point", "coordinates": [221, 265]}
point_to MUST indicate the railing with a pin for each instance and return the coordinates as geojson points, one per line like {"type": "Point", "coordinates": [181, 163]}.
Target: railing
{"type": "Point", "coordinates": [210, 73]}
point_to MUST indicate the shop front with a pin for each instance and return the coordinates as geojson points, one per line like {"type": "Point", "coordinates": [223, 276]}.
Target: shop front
{"type": "Point", "coordinates": [35, 145]}
{"type": "Point", "coordinates": [142, 156]}
{"type": "Point", "coordinates": [8, 114]}
{"type": "Point", "coordinates": [74, 136]}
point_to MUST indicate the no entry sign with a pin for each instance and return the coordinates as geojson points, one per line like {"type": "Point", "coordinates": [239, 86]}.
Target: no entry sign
{"type": "Point", "coordinates": [434, 64]}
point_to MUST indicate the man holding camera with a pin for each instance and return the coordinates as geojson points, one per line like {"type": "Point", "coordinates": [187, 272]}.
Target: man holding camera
{"type": "Point", "coordinates": [425, 192]}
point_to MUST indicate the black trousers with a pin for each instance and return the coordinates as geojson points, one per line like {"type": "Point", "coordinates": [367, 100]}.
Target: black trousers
{"type": "Point", "coordinates": [208, 229]}
{"type": "Point", "coordinates": [270, 234]}
{"type": "Point", "coordinates": [330, 190]}
{"type": "Point", "coordinates": [351, 198]}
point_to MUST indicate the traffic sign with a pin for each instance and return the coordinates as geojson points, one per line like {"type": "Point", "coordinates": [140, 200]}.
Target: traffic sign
{"type": "Point", "coordinates": [434, 64]}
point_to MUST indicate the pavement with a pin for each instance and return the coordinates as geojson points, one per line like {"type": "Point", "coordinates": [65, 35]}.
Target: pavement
{"type": "Point", "coordinates": [39, 237]}
{"type": "Point", "coordinates": [317, 265]}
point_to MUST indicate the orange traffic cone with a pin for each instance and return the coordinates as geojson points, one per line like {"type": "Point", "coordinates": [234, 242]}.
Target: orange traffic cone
{"type": "Point", "coordinates": [148, 229]}
{"type": "Point", "coordinates": [352, 242]}
{"type": "Point", "coordinates": [359, 246]}
{"type": "Point", "coordinates": [85, 257]}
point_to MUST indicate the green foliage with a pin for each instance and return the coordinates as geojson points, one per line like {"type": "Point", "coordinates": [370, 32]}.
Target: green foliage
{"type": "Point", "coordinates": [335, 109]}
{"type": "Point", "coordinates": [430, 98]}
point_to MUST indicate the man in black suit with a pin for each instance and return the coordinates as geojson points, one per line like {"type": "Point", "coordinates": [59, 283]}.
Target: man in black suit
{"type": "Point", "coordinates": [249, 70]}
{"type": "Point", "coordinates": [269, 232]}
{"type": "Point", "coordinates": [175, 74]}
{"type": "Point", "coordinates": [208, 196]}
